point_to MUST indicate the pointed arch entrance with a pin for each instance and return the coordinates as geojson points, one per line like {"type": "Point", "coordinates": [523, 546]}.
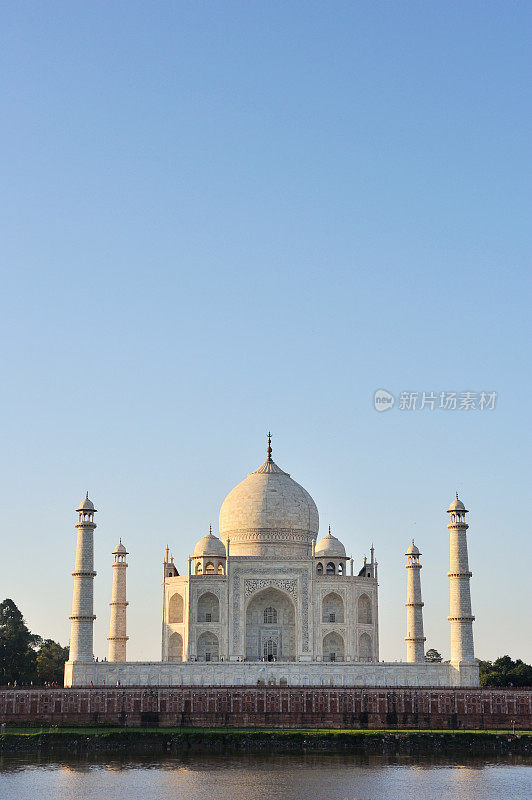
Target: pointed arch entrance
{"type": "Point", "coordinates": [270, 626]}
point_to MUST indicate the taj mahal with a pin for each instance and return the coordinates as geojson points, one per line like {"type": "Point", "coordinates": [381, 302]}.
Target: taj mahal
{"type": "Point", "coordinates": [268, 602]}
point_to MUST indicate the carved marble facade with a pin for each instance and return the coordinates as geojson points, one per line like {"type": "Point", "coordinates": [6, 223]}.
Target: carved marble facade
{"type": "Point", "coordinates": [316, 605]}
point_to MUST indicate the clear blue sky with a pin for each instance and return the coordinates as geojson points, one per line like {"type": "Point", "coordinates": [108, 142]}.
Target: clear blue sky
{"type": "Point", "coordinates": [222, 218]}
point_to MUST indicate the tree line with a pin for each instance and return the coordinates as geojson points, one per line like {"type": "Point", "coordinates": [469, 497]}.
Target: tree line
{"type": "Point", "coordinates": [505, 672]}
{"type": "Point", "coordinates": [501, 672]}
{"type": "Point", "coordinates": [25, 657]}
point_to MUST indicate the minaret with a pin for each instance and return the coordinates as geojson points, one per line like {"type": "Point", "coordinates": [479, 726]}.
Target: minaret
{"type": "Point", "coordinates": [117, 630]}
{"type": "Point", "coordinates": [82, 617]}
{"type": "Point", "coordinates": [461, 619]}
{"type": "Point", "coordinates": [415, 648]}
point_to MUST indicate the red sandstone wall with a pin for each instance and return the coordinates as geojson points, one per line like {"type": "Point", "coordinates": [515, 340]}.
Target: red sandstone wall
{"type": "Point", "coordinates": [271, 706]}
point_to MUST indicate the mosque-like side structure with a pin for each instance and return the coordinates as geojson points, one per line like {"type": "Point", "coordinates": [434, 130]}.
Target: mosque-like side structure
{"type": "Point", "coordinates": [268, 603]}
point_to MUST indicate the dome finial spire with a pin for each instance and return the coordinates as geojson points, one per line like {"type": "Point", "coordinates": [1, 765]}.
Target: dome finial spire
{"type": "Point", "coordinates": [210, 530]}
{"type": "Point", "coordinates": [269, 450]}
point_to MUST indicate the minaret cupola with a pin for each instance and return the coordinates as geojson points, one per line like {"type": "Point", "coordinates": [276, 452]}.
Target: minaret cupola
{"type": "Point", "coordinates": [86, 510]}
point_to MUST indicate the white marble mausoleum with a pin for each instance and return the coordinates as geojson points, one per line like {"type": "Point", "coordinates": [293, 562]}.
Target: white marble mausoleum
{"type": "Point", "coordinates": [269, 602]}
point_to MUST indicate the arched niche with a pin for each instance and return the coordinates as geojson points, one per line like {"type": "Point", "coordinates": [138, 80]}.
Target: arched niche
{"type": "Point", "coordinates": [364, 647]}
{"type": "Point", "coordinates": [175, 608]}
{"type": "Point", "coordinates": [333, 647]}
{"type": "Point", "coordinates": [208, 608]}
{"type": "Point", "coordinates": [270, 626]}
{"type": "Point", "coordinates": [175, 647]}
{"type": "Point", "coordinates": [364, 610]}
{"type": "Point", "coordinates": [208, 648]}
{"type": "Point", "coordinates": [332, 608]}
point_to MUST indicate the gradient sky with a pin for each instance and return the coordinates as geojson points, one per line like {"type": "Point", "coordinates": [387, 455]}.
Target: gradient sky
{"type": "Point", "coordinates": [227, 217]}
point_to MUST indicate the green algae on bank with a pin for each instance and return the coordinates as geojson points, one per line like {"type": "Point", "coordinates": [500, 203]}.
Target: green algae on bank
{"type": "Point", "coordinates": [168, 740]}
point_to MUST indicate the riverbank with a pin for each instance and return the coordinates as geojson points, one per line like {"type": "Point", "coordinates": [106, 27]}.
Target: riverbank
{"type": "Point", "coordinates": [181, 740]}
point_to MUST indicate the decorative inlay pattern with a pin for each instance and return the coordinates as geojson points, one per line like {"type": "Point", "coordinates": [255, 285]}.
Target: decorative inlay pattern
{"type": "Point", "coordinates": [197, 591]}
{"type": "Point", "coordinates": [340, 629]}
{"type": "Point", "coordinates": [304, 616]}
{"type": "Point", "coordinates": [261, 534]}
{"type": "Point", "coordinates": [333, 588]}
{"type": "Point", "coordinates": [256, 584]}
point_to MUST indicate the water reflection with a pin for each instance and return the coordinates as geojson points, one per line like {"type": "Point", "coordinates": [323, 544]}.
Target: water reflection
{"type": "Point", "coordinates": [313, 776]}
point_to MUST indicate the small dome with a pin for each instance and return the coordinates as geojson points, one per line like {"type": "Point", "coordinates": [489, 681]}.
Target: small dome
{"type": "Point", "coordinates": [209, 546]}
{"type": "Point", "coordinates": [329, 547]}
{"type": "Point", "coordinates": [120, 549]}
{"type": "Point", "coordinates": [86, 504]}
{"type": "Point", "coordinates": [457, 505]}
{"type": "Point", "coordinates": [413, 550]}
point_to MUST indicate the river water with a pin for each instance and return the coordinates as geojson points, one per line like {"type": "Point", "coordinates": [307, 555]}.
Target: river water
{"type": "Point", "coordinates": [261, 777]}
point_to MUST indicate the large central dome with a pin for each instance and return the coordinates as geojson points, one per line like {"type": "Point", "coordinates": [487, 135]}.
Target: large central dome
{"type": "Point", "coordinates": [270, 515]}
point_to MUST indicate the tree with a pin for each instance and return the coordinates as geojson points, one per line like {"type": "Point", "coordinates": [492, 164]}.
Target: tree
{"type": "Point", "coordinates": [433, 656]}
{"type": "Point", "coordinates": [17, 646]}
{"type": "Point", "coordinates": [505, 672]}
{"type": "Point", "coordinates": [50, 662]}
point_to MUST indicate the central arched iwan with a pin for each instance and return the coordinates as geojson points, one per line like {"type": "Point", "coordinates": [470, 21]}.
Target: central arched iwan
{"type": "Point", "coordinates": [270, 627]}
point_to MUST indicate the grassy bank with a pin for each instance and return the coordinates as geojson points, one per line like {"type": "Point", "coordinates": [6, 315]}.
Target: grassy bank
{"type": "Point", "coordinates": [179, 740]}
